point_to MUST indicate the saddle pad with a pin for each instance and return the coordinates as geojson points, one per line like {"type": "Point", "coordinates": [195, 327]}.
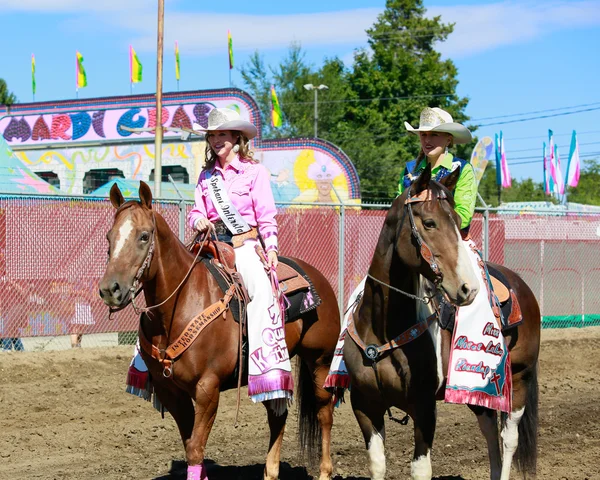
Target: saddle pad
{"type": "Point", "coordinates": [302, 299]}
{"type": "Point", "coordinates": [511, 310]}
{"type": "Point", "coordinates": [499, 289]}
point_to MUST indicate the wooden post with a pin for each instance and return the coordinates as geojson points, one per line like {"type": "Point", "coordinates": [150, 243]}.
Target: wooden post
{"type": "Point", "coordinates": [159, 128]}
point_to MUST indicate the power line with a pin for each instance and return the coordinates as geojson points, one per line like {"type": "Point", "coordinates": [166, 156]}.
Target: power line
{"type": "Point", "coordinates": [535, 149]}
{"type": "Point", "coordinates": [350, 100]}
{"type": "Point", "coordinates": [539, 117]}
{"type": "Point", "coordinates": [536, 111]}
{"type": "Point", "coordinates": [556, 135]}
{"type": "Point", "coordinates": [539, 159]}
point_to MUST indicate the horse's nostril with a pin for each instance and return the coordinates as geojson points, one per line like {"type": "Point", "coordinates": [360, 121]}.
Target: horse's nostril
{"type": "Point", "coordinates": [465, 289]}
{"type": "Point", "coordinates": [115, 288]}
{"type": "Point", "coordinates": [100, 293]}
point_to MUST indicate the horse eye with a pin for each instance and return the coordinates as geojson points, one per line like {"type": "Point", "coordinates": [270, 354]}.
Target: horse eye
{"type": "Point", "coordinates": [429, 224]}
{"type": "Point", "coordinates": [144, 237]}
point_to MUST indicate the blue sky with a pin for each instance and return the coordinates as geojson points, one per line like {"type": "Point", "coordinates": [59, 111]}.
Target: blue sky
{"type": "Point", "coordinates": [513, 57]}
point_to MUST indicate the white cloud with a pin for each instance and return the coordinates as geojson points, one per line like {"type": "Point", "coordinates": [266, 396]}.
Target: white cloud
{"type": "Point", "coordinates": [199, 33]}
{"type": "Point", "coordinates": [481, 28]}
{"type": "Point", "coordinates": [72, 6]}
{"type": "Point", "coordinates": [478, 27]}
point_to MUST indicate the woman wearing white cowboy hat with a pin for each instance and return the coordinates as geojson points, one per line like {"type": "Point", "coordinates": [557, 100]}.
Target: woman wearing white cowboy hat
{"type": "Point", "coordinates": [437, 132]}
{"type": "Point", "coordinates": [234, 196]}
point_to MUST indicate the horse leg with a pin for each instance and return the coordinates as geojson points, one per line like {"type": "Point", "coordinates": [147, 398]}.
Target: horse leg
{"type": "Point", "coordinates": [370, 419]}
{"type": "Point", "coordinates": [488, 424]}
{"type": "Point", "coordinates": [325, 416]}
{"type": "Point", "coordinates": [207, 401]}
{"type": "Point", "coordinates": [424, 430]}
{"type": "Point", "coordinates": [179, 404]}
{"type": "Point", "coordinates": [276, 428]}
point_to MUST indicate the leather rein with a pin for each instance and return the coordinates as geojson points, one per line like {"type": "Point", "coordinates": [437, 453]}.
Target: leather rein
{"type": "Point", "coordinates": [374, 352]}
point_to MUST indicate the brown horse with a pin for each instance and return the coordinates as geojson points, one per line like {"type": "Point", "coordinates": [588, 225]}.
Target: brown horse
{"type": "Point", "coordinates": [202, 371]}
{"type": "Point", "coordinates": [420, 238]}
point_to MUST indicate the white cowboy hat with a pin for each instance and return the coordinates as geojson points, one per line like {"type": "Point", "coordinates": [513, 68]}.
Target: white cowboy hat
{"type": "Point", "coordinates": [220, 119]}
{"type": "Point", "coordinates": [438, 120]}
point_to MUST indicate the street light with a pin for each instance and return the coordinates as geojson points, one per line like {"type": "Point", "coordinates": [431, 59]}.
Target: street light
{"type": "Point", "coordinates": [310, 86]}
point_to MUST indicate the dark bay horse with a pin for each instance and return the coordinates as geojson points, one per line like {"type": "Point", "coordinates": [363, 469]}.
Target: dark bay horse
{"type": "Point", "coordinates": [191, 394]}
{"type": "Point", "coordinates": [411, 376]}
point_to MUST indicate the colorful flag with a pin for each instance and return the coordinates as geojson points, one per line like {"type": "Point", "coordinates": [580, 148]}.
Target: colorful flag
{"type": "Point", "coordinates": [506, 181]}
{"type": "Point", "coordinates": [33, 73]}
{"type": "Point", "coordinates": [502, 172]}
{"type": "Point", "coordinates": [551, 161]}
{"type": "Point", "coordinates": [177, 65]}
{"type": "Point", "coordinates": [547, 188]}
{"type": "Point", "coordinates": [574, 165]}
{"type": "Point", "coordinates": [498, 162]}
{"type": "Point", "coordinates": [230, 47]}
{"type": "Point", "coordinates": [81, 76]}
{"type": "Point", "coordinates": [275, 109]}
{"type": "Point", "coordinates": [135, 66]}
{"type": "Point", "coordinates": [559, 187]}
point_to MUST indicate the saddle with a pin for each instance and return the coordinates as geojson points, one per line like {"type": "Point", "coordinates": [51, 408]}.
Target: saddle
{"type": "Point", "coordinates": [219, 258]}
{"type": "Point", "coordinates": [509, 305]}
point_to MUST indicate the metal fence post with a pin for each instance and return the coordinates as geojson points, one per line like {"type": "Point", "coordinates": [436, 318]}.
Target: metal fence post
{"type": "Point", "coordinates": [341, 251]}
{"type": "Point", "coordinates": [182, 210]}
{"type": "Point", "coordinates": [486, 229]}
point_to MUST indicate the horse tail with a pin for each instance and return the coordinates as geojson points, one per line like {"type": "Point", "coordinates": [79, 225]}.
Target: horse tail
{"type": "Point", "coordinates": [309, 431]}
{"type": "Point", "coordinates": [526, 454]}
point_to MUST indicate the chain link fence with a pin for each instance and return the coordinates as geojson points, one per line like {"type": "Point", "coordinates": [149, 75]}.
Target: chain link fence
{"type": "Point", "coordinates": [53, 253]}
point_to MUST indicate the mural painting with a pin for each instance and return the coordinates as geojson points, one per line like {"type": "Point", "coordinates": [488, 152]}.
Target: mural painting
{"type": "Point", "coordinates": [72, 138]}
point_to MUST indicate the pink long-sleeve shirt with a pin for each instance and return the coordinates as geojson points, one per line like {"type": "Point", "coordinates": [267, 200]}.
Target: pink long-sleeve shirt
{"type": "Point", "coordinates": [249, 190]}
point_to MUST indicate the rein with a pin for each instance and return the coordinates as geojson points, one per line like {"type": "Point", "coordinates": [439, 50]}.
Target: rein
{"type": "Point", "coordinates": [426, 253]}
{"type": "Point", "coordinates": [136, 288]}
{"type": "Point", "coordinates": [373, 352]}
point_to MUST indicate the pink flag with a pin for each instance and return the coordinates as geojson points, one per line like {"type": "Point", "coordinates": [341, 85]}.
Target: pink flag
{"type": "Point", "coordinates": [574, 165]}
{"type": "Point", "coordinates": [506, 181]}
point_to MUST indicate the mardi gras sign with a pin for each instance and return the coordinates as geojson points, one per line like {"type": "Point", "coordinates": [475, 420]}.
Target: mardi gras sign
{"type": "Point", "coordinates": [101, 125]}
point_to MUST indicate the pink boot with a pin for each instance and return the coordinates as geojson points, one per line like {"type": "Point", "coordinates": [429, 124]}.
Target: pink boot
{"type": "Point", "coordinates": [196, 472]}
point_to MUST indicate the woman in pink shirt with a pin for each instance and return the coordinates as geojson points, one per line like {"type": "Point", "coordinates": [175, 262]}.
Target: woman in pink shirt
{"type": "Point", "coordinates": [234, 196]}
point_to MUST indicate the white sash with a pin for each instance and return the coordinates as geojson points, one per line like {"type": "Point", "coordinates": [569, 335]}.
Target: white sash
{"type": "Point", "coordinates": [226, 210]}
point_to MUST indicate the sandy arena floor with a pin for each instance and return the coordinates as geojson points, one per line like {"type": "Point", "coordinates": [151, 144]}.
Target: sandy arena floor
{"type": "Point", "coordinates": [65, 415]}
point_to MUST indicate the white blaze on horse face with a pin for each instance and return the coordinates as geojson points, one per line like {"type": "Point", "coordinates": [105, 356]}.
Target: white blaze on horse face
{"type": "Point", "coordinates": [510, 440]}
{"type": "Point", "coordinates": [420, 468]}
{"type": "Point", "coordinates": [377, 456]}
{"type": "Point", "coordinates": [125, 231]}
{"type": "Point", "coordinates": [425, 288]}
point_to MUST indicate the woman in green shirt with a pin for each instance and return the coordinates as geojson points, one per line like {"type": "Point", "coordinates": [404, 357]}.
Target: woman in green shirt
{"type": "Point", "coordinates": [437, 132]}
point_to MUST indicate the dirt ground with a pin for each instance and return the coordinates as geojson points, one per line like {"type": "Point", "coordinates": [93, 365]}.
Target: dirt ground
{"type": "Point", "coordinates": [65, 415]}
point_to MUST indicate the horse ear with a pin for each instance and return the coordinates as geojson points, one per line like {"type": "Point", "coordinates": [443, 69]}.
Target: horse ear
{"type": "Point", "coordinates": [145, 195]}
{"type": "Point", "coordinates": [451, 180]}
{"type": "Point", "coordinates": [116, 197]}
{"type": "Point", "coordinates": [422, 182]}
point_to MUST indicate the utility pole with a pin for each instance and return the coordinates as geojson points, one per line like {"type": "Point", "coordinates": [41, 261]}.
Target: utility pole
{"type": "Point", "coordinates": [310, 86]}
{"type": "Point", "coordinates": [159, 128]}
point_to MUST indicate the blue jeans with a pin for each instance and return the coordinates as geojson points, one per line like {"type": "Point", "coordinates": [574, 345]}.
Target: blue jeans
{"type": "Point", "coordinates": [12, 344]}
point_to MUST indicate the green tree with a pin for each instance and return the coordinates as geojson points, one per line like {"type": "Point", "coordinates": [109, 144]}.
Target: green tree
{"type": "Point", "coordinates": [402, 73]}
{"type": "Point", "coordinates": [6, 98]}
{"type": "Point", "coordinates": [364, 109]}
{"type": "Point", "coordinates": [297, 104]}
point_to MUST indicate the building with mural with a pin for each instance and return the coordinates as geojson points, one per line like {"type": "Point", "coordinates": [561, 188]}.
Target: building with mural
{"type": "Point", "coordinates": [78, 146]}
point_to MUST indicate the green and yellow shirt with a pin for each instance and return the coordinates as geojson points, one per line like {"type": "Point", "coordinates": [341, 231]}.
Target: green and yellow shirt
{"type": "Point", "coordinates": [465, 192]}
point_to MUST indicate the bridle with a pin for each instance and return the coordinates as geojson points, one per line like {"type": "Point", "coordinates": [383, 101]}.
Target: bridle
{"type": "Point", "coordinates": [136, 288]}
{"type": "Point", "coordinates": [425, 251]}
